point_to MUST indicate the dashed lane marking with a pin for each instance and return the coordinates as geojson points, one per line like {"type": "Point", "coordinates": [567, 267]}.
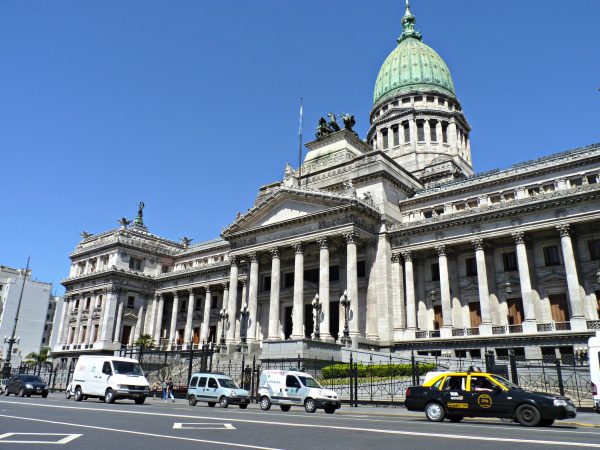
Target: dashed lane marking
{"type": "Point", "coordinates": [23, 439]}
{"type": "Point", "coordinates": [202, 426]}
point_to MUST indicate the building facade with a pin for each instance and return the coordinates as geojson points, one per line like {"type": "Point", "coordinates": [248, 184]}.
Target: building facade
{"type": "Point", "coordinates": [35, 316]}
{"type": "Point", "coordinates": [432, 257]}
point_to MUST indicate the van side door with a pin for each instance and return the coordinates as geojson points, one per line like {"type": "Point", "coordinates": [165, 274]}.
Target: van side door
{"type": "Point", "coordinates": [200, 388]}
{"type": "Point", "coordinates": [211, 392]}
{"type": "Point", "coordinates": [102, 378]}
{"type": "Point", "coordinates": [292, 385]}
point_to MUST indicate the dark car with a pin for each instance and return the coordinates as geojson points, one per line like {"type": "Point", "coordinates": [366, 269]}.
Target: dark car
{"type": "Point", "coordinates": [26, 385]}
{"type": "Point", "coordinates": [455, 395]}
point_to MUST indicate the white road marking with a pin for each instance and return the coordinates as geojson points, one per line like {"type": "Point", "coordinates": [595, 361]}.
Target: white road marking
{"type": "Point", "coordinates": [206, 441]}
{"type": "Point", "coordinates": [65, 440]}
{"type": "Point", "coordinates": [202, 426]}
{"type": "Point", "coordinates": [331, 427]}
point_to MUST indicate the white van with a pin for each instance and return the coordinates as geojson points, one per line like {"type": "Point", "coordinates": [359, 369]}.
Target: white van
{"type": "Point", "coordinates": [594, 357]}
{"type": "Point", "coordinates": [289, 387]}
{"type": "Point", "coordinates": [109, 378]}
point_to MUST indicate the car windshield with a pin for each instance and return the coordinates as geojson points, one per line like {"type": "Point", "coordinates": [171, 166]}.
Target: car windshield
{"type": "Point", "coordinates": [227, 383]}
{"type": "Point", "coordinates": [309, 382]}
{"type": "Point", "coordinates": [127, 368]}
{"type": "Point", "coordinates": [31, 379]}
{"type": "Point", "coordinates": [505, 382]}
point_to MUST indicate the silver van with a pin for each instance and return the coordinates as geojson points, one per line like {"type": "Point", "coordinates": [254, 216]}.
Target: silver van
{"type": "Point", "coordinates": [214, 388]}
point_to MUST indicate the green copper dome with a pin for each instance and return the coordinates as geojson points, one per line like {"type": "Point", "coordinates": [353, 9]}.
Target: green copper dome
{"type": "Point", "coordinates": [412, 67]}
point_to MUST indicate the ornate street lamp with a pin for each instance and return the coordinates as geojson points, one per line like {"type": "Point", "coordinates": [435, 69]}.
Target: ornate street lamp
{"type": "Point", "coordinates": [345, 302]}
{"type": "Point", "coordinates": [224, 316]}
{"type": "Point", "coordinates": [6, 368]}
{"type": "Point", "coordinates": [317, 306]}
{"type": "Point", "coordinates": [244, 313]}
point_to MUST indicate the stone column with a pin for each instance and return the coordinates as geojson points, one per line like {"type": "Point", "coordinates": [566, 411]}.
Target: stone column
{"type": "Point", "coordinates": [398, 297]}
{"type": "Point", "coordinates": [371, 325]}
{"type": "Point", "coordinates": [274, 328]}
{"type": "Point", "coordinates": [159, 317]}
{"type": "Point", "coordinates": [118, 324]}
{"type": "Point", "coordinates": [78, 322]}
{"type": "Point", "coordinates": [324, 287]}
{"type": "Point", "coordinates": [88, 338]}
{"type": "Point", "coordinates": [252, 299]}
{"type": "Point", "coordinates": [411, 306]}
{"type": "Point", "coordinates": [150, 315]}
{"type": "Point", "coordinates": [238, 321]}
{"type": "Point", "coordinates": [529, 325]}
{"type": "Point", "coordinates": [206, 318]}
{"type": "Point", "coordinates": [352, 280]}
{"type": "Point", "coordinates": [139, 324]}
{"type": "Point", "coordinates": [578, 321]}
{"type": "Point", "coordinates": [232, 301]}
{"type": "Point", "coordinates": [173, 329]}
{"type": "Point", "coordinates": [187, 337]}
{"type": "Point", "coordinates": [457, 321]}
{"type": "Point", "coordinates": [485, 329]}
{"type": "Point", "coordinates": [298, 315]}
{"type": "Point", "coordinates": [110, 309]}
{"type": "Point", "coordinates": [446, 331]}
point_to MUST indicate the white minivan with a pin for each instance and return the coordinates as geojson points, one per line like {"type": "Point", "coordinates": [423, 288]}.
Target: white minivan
{"type": "Point", "coordinates": [594, 357]}
{"type": "Point", "coordinates": [289, 387]}
{"type": "Point", "coordinates": [109, 378]}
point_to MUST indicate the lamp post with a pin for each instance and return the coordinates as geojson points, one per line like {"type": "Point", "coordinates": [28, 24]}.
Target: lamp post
{"type": "Point", "coordinates": [345, 302]}
{"type": "Point", "coordinates": [13, 339]}
{"type": "Point", "coordinates": [244, 313]}
{"type": "Point", "coordinates": [317, 306]}
{"type": "Point", "coordinates": [581, 354]}
{"type": "Point", "coordinates": [223, 315]}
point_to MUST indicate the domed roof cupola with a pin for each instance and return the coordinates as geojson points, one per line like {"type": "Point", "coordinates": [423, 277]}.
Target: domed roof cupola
{"type": "Point", "coordinates": [412, 67]}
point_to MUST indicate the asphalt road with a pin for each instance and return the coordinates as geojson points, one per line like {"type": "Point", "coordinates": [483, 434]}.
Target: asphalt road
{"type": "Point", "coordinates": [158, 425]}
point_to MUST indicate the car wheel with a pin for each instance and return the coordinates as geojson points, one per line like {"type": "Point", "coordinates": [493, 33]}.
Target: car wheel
{"type": "Point", "coordinates": [455, 419]}
{"type": "Point", "coordinates": [329, 409]}
{"type": "Point", "coordinates": [434, 412]}
{"type": "Point", "coordinates": [140, 401]}
{"type": "Point", "coordinates": [223, 402]}
{"type": "Point", "coordinates": [310, 405]}
{"type": "Point", "coordinates": [244, 406]}
{"type": "Point", "coordinates": [192, 400]}
{"type": "Point", "coordinates": [528, 416]}
{"type": "Point", "coordinates": [22, 392]}
{"type": "Point", "coordinates": [109, 396]}
{"type": "Point", "coordinates": [44, 395]}
{"type": "Point", "coordinates": [211, 404]}
{"type": "Point", "coordinates": [265, 403]}
{"type": "Point", "coordinates": [546, 422]}
{"type": "Point", "coordinates": [78, 394]}
{"type": "Point", "coordinates": [285, 408]}
{"type": "Point", "coordinates": [68, 394]}
{"type": "Point", "coordinates": [6, 392]}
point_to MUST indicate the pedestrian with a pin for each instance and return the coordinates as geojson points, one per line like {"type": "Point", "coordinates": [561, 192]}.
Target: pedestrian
{"type": "Point", "coordinates": [170, 390]}
{"type": "Point", "coordinates": [164, 390]}
{"type": "Point", "coordinates": [154, 389]}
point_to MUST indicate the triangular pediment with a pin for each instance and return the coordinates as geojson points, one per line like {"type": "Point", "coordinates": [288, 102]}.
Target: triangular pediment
{"type": "Point", "coordinates": [289, 204]}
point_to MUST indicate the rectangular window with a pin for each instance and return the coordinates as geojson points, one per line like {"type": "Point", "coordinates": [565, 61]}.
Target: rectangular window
{"type": "Point", "coordinates": [576, 182]}
{"type": "Point", "coordinates": [510, 261]}
{"type": "Point", "coordinates": [421, 131]}
{"type": "Point", "coordinates": [405, 101]}
{"type": "Point", "coordinates": [311, 275]}
{"type": "Point", "coordinates": [471, 266]}
{"type": "Point", "coordinates": [135, 263]}
{"type": "Point", "coordinates": [445, 132]}
{"type": "Point", "coordinates": [559, 307]}
{"type": "Point", "coordinates": [594, 248]}
{"type": "Point", "coordinates": [198, 304]}
{"type": "Point", "coordinates": [551, 257]}
{"type": "Point", "coordinates": [266, 283]}
{"type": "Point", "coordinates": [384, 138]}
{"type": "Point", "coordinates": [361, 269]}
{"type": "Point", "coordinates": [592, 179]}
{"type": "Point", "coordinates": [288, 280]}
{"type": "Point", "coordinates": [214, 301]}
{"type": "Point", "coordinates": [433, 130]}
{"type": "Point", "coordinates": [130, 301]}
{"type": "Point", "coordinates": [396, 135]}
{"type": "Point", "coordinates": [406, 127]}
{"type": "Point", "coordinates": [334, 273]}
{"type": "Point", "coordinates": [435, 272]}
{"type": "Point", "coordinates": [182, 306]}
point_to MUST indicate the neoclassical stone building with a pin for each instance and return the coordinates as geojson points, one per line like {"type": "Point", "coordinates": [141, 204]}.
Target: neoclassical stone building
{"type": "Point", "coordinates": [433, 257]}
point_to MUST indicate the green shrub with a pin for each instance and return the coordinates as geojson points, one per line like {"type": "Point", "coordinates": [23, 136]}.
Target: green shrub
{"type": "Point", "coordinates": [375, 370]}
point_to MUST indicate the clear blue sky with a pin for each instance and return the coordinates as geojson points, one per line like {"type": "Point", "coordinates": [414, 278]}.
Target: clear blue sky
{"type": "Point", "coordinates": [191, 105]}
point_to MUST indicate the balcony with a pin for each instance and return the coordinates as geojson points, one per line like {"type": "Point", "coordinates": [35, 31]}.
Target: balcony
{"type": "Point", "coordinates": [515, 329]}
{"type": "Point", "coordinates": [593, 324]}
{"type": "Point", "coordinates": [424, 334]}
{"type": "Point", "coordinates": [553, 326]}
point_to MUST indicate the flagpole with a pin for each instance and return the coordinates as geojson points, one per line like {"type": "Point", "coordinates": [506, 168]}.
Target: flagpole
{"type": "Point", "coordinates": [300, 147]}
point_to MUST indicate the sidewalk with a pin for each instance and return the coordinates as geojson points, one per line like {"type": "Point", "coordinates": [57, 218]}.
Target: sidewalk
{"type": "Point", "coordinates": [583, 419]}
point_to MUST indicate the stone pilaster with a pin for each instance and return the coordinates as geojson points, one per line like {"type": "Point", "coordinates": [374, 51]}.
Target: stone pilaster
{"type": "Point", "coordinates": [446, 331]}
{"type": "Point", "coordinates": [411, 305]}
{"type": "Point", "coordinates": [108, 318]}
{"type": "Point", "coordinates": [118, 325]}
{"type": "Point", "coordinates": [206, 315]}
{"type": "Point", "coordinates": [298, 311]}
{"type": "Point", "coordinates": [529, 325]}
{"type": "Point", "coordinates": [352, 280]}
{"type": "Point", "coordinates": [174, 312]}
{"type": "Point", "coordinates": [324, 287]}
{"type": "Point", "coordinates": [485, 328]}
{"type": "Point", "coordinates": [232, 301]}
{"type": "Point", "coordinates": [252, 299]}
{"type": "Point", "coordinates": [578, 321]}
{"type": "Point", "coordinates": [274, 328]}
{"type": "Point", "coordinates": [160, 307]}
{"type": "Point", "coordinates": [187, 336]}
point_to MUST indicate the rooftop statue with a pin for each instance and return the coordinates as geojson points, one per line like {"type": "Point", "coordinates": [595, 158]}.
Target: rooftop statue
{"type": "Point", "coordinates": [289, 177]}
{"type": "Point", "coordinates": [323, 129]}
{"type": "Point", "coordinates": [124, 222]}
{"type": "Point", "coordinates": [186, 241]}
{"type": "Point", "coordinates": [84, 234]}
{"type": "Point", "coordinates": [333, 122]}
{"type": "Point", "coordinates": [139, 220]}
{"type": "Point", "coordinates": [349, 123]}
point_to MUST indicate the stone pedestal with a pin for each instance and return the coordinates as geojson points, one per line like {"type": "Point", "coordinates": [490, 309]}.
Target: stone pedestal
{"type": "Point", "coordinates": [529, 326]}
{"type": "Point", "coordinates": [446, 332]}
{"type": "Point", "coordinates": [485, 329]}
{"type": "Point", "coordinates": [578, 324]}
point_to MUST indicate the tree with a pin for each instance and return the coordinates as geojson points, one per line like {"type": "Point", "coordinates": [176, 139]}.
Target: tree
{"type": "Point", "coordinates": [145, 340]}
{"type": "Point", "coordinates": [39, 359]}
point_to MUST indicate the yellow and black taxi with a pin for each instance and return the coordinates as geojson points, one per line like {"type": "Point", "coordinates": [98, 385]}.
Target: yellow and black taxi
{"type": "Point", "coordinates": [455, 395]}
